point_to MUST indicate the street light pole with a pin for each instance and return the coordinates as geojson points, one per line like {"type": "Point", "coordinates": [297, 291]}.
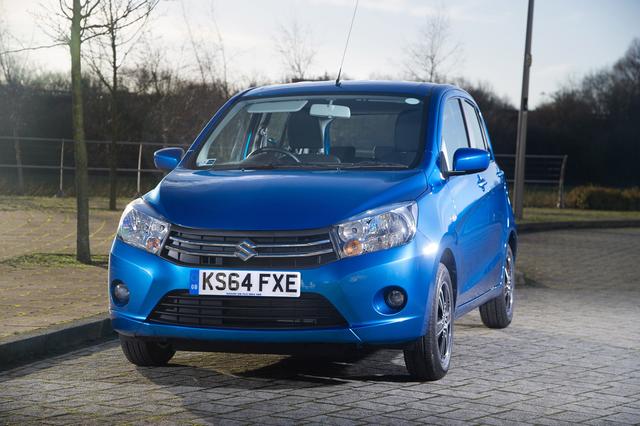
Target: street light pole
{"type": "Point", "coordinates": [521, 144]}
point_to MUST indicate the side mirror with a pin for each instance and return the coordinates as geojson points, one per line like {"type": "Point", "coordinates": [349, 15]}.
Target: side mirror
{"type": "Point", "coordinates": [167, 158]}
{"type": "Point", "coordinates": [469, 160]}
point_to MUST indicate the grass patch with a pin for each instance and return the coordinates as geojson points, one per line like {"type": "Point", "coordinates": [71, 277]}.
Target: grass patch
{"type": "Point", "coordinates": [542, 214]}
{"type": "Point", "coordinates": [56, 260]}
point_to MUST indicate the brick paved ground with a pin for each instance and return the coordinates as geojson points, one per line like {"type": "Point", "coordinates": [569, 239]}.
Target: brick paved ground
{"type": "Point", "coordinates": [571, 355]}
{"type": "Point", "coordinates": [34, 297]}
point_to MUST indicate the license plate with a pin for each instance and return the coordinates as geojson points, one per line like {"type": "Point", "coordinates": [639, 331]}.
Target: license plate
{"type": "Point", "coordinates": [245, 283]}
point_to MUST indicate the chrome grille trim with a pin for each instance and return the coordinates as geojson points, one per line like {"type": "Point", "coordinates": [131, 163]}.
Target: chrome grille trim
{"type": "Point", "coordinates": [222, 244]}
{"type": "Point", "coordinates": [238, 249]}
{"type": "Point", "coordinates": [232, 254]}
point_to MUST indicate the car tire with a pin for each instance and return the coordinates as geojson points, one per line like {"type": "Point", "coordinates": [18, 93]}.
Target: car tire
{"type": "Point", "coordinates": [429, 357]}
{"type": "Point", "coordinates": [146, 354]}
{"type": "Point", "coordinates": [498, 312]}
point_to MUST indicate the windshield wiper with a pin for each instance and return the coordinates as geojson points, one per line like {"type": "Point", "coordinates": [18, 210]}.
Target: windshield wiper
{"type": "Point", "coordinates": [372, 164]}
{"type": "Point", "coordinates": [238, 166]}
{"type": "Point", "coordinates": [309, 166]}
{"type": "Point", "coordinates": [272, 166]}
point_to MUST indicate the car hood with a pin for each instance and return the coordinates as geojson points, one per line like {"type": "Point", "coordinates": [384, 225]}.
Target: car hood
{"type": "Point", "coordinates": [255, 200]}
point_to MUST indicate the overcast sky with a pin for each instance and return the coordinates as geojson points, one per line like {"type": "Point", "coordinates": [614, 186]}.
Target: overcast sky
{"type": "Point", "coordinates": [570, 37]}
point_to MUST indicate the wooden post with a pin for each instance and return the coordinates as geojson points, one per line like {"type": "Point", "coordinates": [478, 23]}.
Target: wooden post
{"type": "Point", "coordinates": [139, 169]}
{"type": "Point", "coordinates": [18, 149]}
{"type": "Point", "coordinates": [560, 204]}
{"type": "Point", "coordinates": [60, 192]}
{"type": "Point", "coordinates": [521, 143]}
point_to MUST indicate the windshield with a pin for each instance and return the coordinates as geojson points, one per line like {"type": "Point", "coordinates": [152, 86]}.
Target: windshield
{"type": "Point", "coordinates": [317, 132]}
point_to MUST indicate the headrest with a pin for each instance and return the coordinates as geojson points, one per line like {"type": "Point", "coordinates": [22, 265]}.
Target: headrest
{"type": "Point", "coordinates": [382, 152]}
{"type": "Point", "coordinates": [304, 131]}
{"type": "Point", "coordinates": [407, 132]}
{"type": "Point", "coordinates": [345, 153]}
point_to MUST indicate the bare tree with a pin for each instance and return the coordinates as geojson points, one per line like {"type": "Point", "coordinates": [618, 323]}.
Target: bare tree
{"type": "Point", "coordinates": [120, 25]}
{"type": "Point", "coordinates": [294, 44]}
{"type": "Point", "coordinates": [211, 55]}
{"type": "Point", "coordinates": [16, 78]}
{"type": "Point", "coordinates": [433, 54]}
{"type": "Point", "coordinates": [155, 79]}
{"type": "Point", "coordinates": [74, 24]}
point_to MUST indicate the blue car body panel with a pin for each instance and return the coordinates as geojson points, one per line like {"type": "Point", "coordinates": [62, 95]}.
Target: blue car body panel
{"type": "Point", "coordinates": [467, 217]}
{"type": "Point", "coordinates": [278, 199]}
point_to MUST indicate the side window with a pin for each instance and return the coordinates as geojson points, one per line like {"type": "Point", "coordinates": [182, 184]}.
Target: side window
{"type": "Point", "coordinates": [454, 134]}
{"type": "Point", "coordinates": [473, 125]}
{"type": "Point", "coordinates": [270, 130]}
{"type": "Point", "coordinates": [225, 144]}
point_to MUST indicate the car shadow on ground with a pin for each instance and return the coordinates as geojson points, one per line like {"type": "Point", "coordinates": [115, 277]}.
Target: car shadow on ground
{"type": "Point", "coordinates": [381, 365]}
{"type": "Point", "coordinates": [303, 369]}
{"type": "Point", "coordinates": [208, 387]}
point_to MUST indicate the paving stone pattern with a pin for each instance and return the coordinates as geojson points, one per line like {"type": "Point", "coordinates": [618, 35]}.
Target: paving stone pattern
{"type": "Point", "coordinates": [572, 355]}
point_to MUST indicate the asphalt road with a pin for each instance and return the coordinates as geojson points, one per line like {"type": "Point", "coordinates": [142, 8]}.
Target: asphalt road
{"type": "Point", "coordinates": [571, 355]}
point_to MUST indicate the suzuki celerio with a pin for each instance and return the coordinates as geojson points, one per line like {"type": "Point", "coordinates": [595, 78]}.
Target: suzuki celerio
{"type": "Point", "coordinates": [315, 216]}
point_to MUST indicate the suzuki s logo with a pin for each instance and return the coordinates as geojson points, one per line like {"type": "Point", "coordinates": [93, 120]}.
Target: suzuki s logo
{"type": "Point", "coordinates": [245, 250]}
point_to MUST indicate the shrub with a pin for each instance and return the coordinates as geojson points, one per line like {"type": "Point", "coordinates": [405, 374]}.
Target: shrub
{"type": "Point", "coordinates": [538, 195]}
{"type": "Point", "coordinates": [601, 198]}
{"type": "Point", "coordinates": [632, 195]}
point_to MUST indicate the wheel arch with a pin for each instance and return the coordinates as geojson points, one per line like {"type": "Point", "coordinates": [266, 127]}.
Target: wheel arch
{"type": "Point", "coordinates": [513, 242]}
{"type": "Point", "coordinates": [448, 260]}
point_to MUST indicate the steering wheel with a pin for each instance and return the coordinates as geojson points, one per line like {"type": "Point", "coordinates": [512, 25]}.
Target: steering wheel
{"type": "Point", "coordinates": [278, 150]}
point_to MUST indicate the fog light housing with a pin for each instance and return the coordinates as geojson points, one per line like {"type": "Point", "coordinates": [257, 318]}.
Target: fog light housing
{"type": "Point", "coordinates": [121, 293]}
{"type": "Point", "coordinates": [395, 298]}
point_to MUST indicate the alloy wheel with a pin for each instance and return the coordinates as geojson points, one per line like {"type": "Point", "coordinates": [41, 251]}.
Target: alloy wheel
{"type": "Point", "coordinates": [508, 282]}
{"type": "Point", "coordinates": [444, 334]}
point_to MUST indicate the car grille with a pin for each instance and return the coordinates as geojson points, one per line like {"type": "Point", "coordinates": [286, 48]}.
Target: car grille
{"type": "Point", "coordinates": [282, 249]}
{"type": "Point", "coordinates": [310, 310]}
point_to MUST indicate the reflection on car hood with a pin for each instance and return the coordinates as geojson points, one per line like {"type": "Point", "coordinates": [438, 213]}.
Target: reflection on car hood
{"type": "Point", "coordinates": [277, 200]}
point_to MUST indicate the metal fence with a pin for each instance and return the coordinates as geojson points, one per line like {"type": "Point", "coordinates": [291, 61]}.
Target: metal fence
{"type": "Point", "coordinates": [539, 170]}
{"type": "Point", "coordinates": [56, 155]}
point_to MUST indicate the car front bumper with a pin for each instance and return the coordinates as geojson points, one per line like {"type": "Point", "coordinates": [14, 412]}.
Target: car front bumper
{"type": "Point", "coordinates": [352, 285]}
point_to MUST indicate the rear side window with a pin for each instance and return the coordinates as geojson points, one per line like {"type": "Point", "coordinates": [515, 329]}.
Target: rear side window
{"type": "Point", "coordinates": [454, 134]}
{"type": "Point", "coordinates": [473, 125]}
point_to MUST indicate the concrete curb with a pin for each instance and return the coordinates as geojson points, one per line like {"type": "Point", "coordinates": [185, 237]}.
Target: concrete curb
{"type": "Point", "coordinates": [54, 340]}
{"type": "Point", "coordinates": [527, 228]}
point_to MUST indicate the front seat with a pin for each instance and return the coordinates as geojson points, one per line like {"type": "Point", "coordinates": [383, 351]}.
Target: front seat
{"type": "Point", "coordinates": [305, 138]}
{"type": "Point", "coordinates": [406, 139]}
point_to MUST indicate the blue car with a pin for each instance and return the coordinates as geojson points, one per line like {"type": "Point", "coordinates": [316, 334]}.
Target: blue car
{"type": "Point", "coordinates": [317, 219]}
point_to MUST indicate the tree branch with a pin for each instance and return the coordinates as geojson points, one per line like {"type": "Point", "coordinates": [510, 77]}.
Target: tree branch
{"type": "Point", "coordinates": [26, 49]}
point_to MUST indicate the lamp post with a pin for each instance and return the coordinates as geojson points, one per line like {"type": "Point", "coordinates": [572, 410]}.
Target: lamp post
{"type": "Point", "coordinates": [521, 143]}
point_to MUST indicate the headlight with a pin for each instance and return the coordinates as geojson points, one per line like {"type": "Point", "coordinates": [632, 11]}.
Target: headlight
{"type": "Point", "coordinates": [378, 229]}
{"type": "Point", "coordinates": [139, 229]}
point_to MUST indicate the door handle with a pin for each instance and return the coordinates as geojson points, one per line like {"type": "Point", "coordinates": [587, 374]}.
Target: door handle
{"type": "Point", "coordinates": [481, 183]}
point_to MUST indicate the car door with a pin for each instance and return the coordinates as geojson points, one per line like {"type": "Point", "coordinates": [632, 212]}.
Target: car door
{"type": "Point", "coordinates": [491, 205]}
{"type": "Point", "coordinates": [466, 192]}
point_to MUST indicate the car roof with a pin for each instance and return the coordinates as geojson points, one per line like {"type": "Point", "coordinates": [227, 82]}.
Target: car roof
{"type": "Point", "coordinates": [348, 87]}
